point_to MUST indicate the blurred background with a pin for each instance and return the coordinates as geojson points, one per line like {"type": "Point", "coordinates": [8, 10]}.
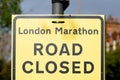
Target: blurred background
{"type": "Point", "coordinates": [110, 8]}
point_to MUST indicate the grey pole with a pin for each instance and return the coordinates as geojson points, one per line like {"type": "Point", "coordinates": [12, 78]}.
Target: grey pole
{"type": "Point", "coordinates": [58, 6]}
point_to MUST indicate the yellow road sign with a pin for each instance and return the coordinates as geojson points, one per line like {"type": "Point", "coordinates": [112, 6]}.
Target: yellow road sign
{"type": "Point", "coordinates": [58, 47]}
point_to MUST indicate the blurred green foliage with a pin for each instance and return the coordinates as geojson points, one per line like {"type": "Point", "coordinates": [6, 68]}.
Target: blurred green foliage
{"type": "Point", "coordinates": [7, 8]}
{"type": "Point", "coordinates": [5, 70]}
{"type": "Point", "coordinates": [113, 65]}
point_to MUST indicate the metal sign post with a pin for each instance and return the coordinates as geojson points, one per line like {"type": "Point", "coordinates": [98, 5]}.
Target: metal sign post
{"type": "Point", "coordinates": [58, 6]}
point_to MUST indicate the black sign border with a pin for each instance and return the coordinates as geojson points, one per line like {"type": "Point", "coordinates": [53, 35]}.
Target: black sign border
{"type": "Point", "coordinates": [69, 16]}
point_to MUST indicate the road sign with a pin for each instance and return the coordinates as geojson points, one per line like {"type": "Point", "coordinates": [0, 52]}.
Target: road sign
{"type": "Point", "coordinates": [58, 47]}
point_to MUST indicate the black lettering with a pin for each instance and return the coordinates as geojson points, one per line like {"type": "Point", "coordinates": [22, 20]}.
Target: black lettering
{"type": "Point", "coordinates": [64, 49]}
{"type": "Point", "coordinates": [58, 30]}
{"type": "Point", "coordinates": [75, 67]}
{"type": "Point", "coordinates": [20, 30]}
{"type": "Point", "coordinates": [85, 67]}
{"type": "Point", "coordinates": [25, 31]}
{"type": "Point", "coordinates": [55, 67]}
{"type": "Point", "coordinates": [38, 47]}
{"type": "Point", "coordinates": [74, 49]}
{"type": "Point", "coordinates": [48, 50]}
{"type": "Point", "coordinates": [37, 68]}
{"type": "Point", "coordinates": [66, 69]}
{"type": "Point", "coordinates": [24, 67]}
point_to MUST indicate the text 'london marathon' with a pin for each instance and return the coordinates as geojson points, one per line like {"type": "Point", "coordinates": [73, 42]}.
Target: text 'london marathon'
{"type": "Point", "coordinates": [58, 31]}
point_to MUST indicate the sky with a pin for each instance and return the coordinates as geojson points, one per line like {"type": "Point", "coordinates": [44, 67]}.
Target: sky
{"type": "Point", "coordinates": [106, 7]}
